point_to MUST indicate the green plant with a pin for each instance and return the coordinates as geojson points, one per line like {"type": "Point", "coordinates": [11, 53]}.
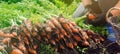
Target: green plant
{"type": "Point", "coordinates": [46, 49]}
{"type": "Point", "coordinates": [33, 9]}
{"type": "Point", "coordinates": [98, 29]}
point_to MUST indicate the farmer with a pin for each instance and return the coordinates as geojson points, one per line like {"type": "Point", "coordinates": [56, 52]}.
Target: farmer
{"type": "Point", "coordinates": [96, 10]}
{"type": "Point", "coordinates": [96, 15]}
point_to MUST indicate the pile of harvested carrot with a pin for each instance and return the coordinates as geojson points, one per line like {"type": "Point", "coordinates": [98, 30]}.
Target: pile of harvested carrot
{"type": "Point", "coordinates": [63, 35]}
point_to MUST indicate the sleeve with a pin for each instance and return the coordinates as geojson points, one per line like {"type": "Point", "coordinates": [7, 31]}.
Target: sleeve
{"type": "Point", "coordinates": [79, 11]}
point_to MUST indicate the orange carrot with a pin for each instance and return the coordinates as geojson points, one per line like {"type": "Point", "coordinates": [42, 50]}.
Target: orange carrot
{"type": "Point", "coordinates": [77, 38]}
{"type": "Point", "coordinates": [56, 40]}
{"type": "Point", "coordinates": [46, 39]}
{"type": "Point", "coordinates": [73, 23]}
{"type": "Point", "coordinates": [26, 41]}
{"type": "Point", "coordinates": [19, 37]}
{"type": "Point", "coordinates": [49, 23]}
{"type": "Point", "coordinates": [16, 51]}
{"type": "Point", "coordinates": [85, 35]}
{"type": "Point", "coordinates": [35, 46]}
{"type": "Point", "coordinates": [101, 39]}
{"type": "Point", "coordinates": [14, 44]}
{"type": "Point", "coordinates": [61, 46]}
{"type": "Point", "coordinates": [52, 42]}
{"type": "Point", "coordinates": [91, 16]}
{"type": "Point", "coordinates": [63, 32]}
{"type": "Point", "coordinates": [75, 43]}
{"type": "Point", "coordinates": [85, 43]}
{"type": "Point", "coordinates": [6, 40]}
{"type": "Point", "coordinates": [70, 45]}
{"type": "Point", "coordinates": [14, 33]}
{"type": "Point", "coordinates": [61, 36]}
{"type": "Point", "coordinates": [22, 47]}
{"type": "Point", "coordinates": [48, 29]}
{"type": "Point", "coordinates": [1, 47]}
{"type": "Point", "coordinates": [56, 23]}
{"type": "Point", "coordinates": [32, 51]}
{"type": "Point", "coordinates": [48, 35]}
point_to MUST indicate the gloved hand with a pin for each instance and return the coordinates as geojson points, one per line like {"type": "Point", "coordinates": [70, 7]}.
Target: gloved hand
{"type": "Point", "coordinates": [96, 19]}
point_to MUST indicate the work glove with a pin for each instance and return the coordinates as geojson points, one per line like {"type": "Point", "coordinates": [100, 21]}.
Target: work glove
{"type": "Point", "coordinates": [96, 19]}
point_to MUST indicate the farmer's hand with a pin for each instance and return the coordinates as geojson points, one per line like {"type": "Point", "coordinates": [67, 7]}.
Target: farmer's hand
{"type": "Point", "coordinates": [96, 19]}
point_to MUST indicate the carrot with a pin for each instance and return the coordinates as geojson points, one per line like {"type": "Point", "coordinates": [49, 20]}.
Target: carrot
{"type": "Point", "coordinates": [70, 45]}
{"type": "Point", "coordinates": [22, 47]}
{"type": "Point", "coordinates": [61, 36]}
{"type": "Point", "coordinates": [84, 34]}
{"type": "Point", "coordinates": [43, 33]}
{"type": "Point", "coordinates": [56, 49]}
{"type": "Point", "coordinates": [61, 46]}
{"type": "Point", "coordinates": [85, 43]}
{"type": "Point", "coordinates": [52, 42]}
{"type": "Point", "coordinates": [35, 46]}
{"type": "Point", "coordinates": [57, 31]}
{"type": "Point", "coordinates": [28, 24]}
{"type": "Point", "coordinates": [49, 23]}
{"type": "Point", "coordinates": [1, 47]}
{"type": "Point", "coordinates": [61, 20]}
{"type": "Point", "coordinates": [14, 33]}
{"type": "Point", "coordinates": [34, 33]}
{"type": "Point", "coordinates": [77, 38]}
{"type": "Point", "coordinates": [75, 31]}
{"type": "Point", "coordinates": [68, 36]}
{"type": "Point", "coordinates": [91, 16]}
{"type": "Point", "coordinates": [16, 51]}
{"type": "Point", "coordinates": [56, 23]}
{"type": "Point", "coordinates": [63, 32]}
{"type": "Point", "coordinates": [14, 44]}
{"type": "Point", "coordinates": [75, 43]}
{"type": "Point", "coordinates": [1, 32]}
{"type": "Point", "coordinates": [73, 23]}
{"type": "Point", "coordinates": [26, 41]}
{"type": "Point", "coordinates": [6, 35]}
{"type": "Point", "coordinates": [72, 28]}
{"type": "Point", "coordinates": [48, 29]}
{"type": "Point", "coordinates": [56, 40]}
{"type": "Point", "coordinates": [38, 38]}
{"type": "Point", "coordinates": [97, 41]}
{"type": "Point", "coordinates": [19, 37]}
{"type": "Point", "coordinates": [46, 39]}
{"type": "Point", "coordinates": [48, 35]}
{"type": "Point", "coordinates": [31, 51]}
{"type": "Point", "coordinates": [101, 39]}
{"type": "Point", "coordinates": [66, 26]}
{"type": "Point", "coordinates": [6, 40]}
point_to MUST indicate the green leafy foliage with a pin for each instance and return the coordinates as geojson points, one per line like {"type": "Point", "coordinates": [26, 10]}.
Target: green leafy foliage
{"type": "Point", "coordinates": [37, 10]}
{"type": "Point", "coordinates": [98, 29]}
{"type": "Point", "coordinates": [11, 1]}
{"type": "Point", "coordinates": [3, 52]}
{"type": "Point", "coordinates": [45, 49]}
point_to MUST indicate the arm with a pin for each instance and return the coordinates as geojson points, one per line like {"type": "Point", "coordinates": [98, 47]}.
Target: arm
{"type": "Point", "coordinates": [81, 10]}
{"type": "Point", "coordinates": [86, 2]}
